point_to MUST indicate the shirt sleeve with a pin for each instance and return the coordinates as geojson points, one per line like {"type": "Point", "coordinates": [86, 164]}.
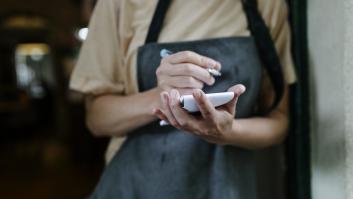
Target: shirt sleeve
{"type": "Point", "coordinates": [98, 68]}
{"type": "Point", "coordinates": [276, 17]}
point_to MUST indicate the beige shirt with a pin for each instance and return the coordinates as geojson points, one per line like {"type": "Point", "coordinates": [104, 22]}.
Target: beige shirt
{"type": "Point", "coordinates": [107, 62]}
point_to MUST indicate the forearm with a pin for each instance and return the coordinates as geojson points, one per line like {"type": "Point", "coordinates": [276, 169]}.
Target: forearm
{"type": "Point", "coordinates": [259, 132]}
{"type": "Point", "coordinates": [112, 115]}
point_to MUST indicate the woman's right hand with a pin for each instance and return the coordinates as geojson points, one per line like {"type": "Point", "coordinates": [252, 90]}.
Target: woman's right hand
{"type": "Point", "coordinates": [185, 71]}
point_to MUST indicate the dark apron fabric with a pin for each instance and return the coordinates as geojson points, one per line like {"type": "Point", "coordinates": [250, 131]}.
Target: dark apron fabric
{"type": "Point", "coordinates": [163, 162]}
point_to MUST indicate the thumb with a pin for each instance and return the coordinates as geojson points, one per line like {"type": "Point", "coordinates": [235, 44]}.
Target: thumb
{"type": "Point", "coordinates": [238, 90]}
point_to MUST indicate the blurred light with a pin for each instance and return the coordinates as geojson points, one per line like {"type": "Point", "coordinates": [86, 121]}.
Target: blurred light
{"type": "Point", "coordinates": [32, 49]}
{"type": "Point", "coordinates": [37, 54]}
{"type": "Point", "coordinates": [36, 90]}
{"type": "Point", "coordinates": [26, 70]}
{"type": "Point", "coordinates": [23, 21]}
{"type": "Point", "coordinates": [82, 34]}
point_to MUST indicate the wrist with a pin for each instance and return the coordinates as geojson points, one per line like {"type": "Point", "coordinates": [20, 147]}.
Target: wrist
{"type": "Point", "coordinates": [153, 100]}
{"type": "Point", "coordinates": [234, 132]}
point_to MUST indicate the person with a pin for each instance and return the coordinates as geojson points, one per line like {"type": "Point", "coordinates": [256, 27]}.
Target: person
{"type": "Point", "coordinates": [128, 88]}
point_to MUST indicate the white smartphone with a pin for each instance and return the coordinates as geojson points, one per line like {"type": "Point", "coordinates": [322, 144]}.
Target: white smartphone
{"type": "Point", "coordinates": [188, 102]}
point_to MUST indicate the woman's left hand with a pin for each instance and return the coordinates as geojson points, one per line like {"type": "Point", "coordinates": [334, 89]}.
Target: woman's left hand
{"type": "Point", "coordinates": [215, 125]}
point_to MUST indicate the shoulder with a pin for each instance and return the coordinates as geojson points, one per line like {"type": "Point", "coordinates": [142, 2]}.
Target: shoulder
{"type": "Point", "coordinates": [274, 12]}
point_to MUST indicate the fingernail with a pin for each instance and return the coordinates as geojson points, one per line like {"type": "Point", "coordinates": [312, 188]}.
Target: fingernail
{"type": "Point", "coordinates": [212, 63]}
{"type": "Point", "coordinates": [242, 88]}
{"type": "Point", "coordinates": [173, 96]}
{"type": "Point", "coordinates": [197, 93]}
{"type": "Point", "coordinates": [173, 93]}
{"type": "Point", "coordinates": [212, 80]}
{"type": "Point", "coordinates": [201, 93]}
{"type": "Point", "coordinates": [219, 64]}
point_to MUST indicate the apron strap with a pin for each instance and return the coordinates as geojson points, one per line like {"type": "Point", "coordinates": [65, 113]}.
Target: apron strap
{"type": "Point", "coordinates": [266, 48]}
{"type": "Point", "coordinates": [157, 21]}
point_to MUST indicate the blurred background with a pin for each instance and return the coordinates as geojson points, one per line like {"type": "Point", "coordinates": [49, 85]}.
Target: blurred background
{"type": "Point", "coordinates": [45, 148]}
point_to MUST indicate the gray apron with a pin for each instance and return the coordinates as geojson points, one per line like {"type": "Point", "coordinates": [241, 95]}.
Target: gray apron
{"type": "Point", "coordinates": [163, 162]}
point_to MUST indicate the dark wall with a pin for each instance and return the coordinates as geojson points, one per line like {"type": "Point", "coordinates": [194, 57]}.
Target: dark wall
{"type": "Point", "coordinates": [62, 16]}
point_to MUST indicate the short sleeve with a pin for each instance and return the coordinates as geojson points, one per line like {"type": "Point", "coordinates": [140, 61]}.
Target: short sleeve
{"type": "Point", "coordinates": [98, 68]}
{"type": "Point", "coordinates": [276, 17]}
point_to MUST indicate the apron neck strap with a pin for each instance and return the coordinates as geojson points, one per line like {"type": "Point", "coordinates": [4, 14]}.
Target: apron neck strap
{"type": "Point", "coordinates": [157, 21]}
{"type": "Point", "coordinates": [265, 46]}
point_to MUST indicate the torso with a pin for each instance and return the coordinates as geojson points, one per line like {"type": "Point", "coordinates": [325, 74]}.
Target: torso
{"type": "Point", "coordinates": [185, 21]}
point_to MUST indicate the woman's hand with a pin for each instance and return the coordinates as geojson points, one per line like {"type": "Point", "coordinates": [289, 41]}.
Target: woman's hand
{"type": "Point", "coordinates": [215, 125]}
{"type": "Point", "coordinates": [185, 71]}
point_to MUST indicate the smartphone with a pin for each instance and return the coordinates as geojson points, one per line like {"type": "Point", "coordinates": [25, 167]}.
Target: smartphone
{"type": "Point", "coordinates": [189, 103]}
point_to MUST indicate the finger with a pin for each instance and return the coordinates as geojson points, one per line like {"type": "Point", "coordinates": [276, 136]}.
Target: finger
{"type": "Point", "coordinates": [184, 119]}
{"type": "Point", "coordinates": [218, 66]}
{"type": "Point", "coordinates": [185, 91]}
{"type": "Point", "coordinates": [184, 82]}
{"type": "Point", "coordinates": [159, 113]}
{"type": "Point", "coordinates": [206, 108]}
{"type": "Point", "coordinates": [166, 110]}
{"type": "Point", "coordinates": [238, 90]}
{"type": "Point", "coordinates": [192, 57]}
{"type": "Point", "coordinates": [188, 69]}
